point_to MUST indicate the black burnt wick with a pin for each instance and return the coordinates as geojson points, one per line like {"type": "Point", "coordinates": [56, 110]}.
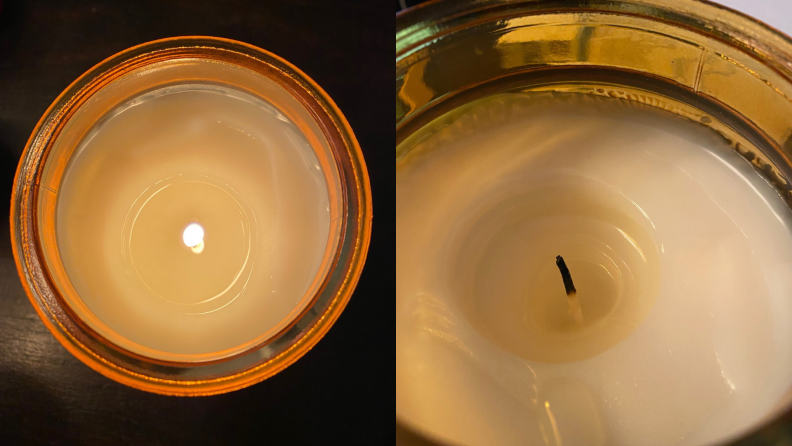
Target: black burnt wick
{"type": "Point", "coordinates": [570, 287]}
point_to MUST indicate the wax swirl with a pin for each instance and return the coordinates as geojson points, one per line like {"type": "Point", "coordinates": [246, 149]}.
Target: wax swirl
{"type": "Point", "coordinates": [680, 253]}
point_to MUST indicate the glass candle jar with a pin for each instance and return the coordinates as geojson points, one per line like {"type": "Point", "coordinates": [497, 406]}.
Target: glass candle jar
{"type": "Point", "coordinates": [706, 63]}
{"type": "Point", "coordinates": [128, 302]}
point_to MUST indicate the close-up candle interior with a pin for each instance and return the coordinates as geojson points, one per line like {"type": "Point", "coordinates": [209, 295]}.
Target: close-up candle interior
{"type": "Point", "coordinates": [593, 224]}
{"type": "Point", "coordinates": [189, 257]}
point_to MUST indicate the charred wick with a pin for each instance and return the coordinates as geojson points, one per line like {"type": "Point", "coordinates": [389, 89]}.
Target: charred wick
{"type": "Point", "coordinates": [570, 287]}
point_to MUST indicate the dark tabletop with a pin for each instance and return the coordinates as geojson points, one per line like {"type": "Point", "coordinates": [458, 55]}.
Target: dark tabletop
{"type": "Point", "coordinates": [342, 391]}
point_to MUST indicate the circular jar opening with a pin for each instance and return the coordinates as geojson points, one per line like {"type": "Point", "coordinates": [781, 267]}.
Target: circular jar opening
{"type": "Point", "coordinates": [177, 162]}
{"type": "Point", "coordinates": [196, 209]}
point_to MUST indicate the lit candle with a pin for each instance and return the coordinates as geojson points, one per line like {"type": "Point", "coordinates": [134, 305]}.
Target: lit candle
{"type": "Point", "coordinates": [192, 221]}
{"type": "Point", "coordinates": [191, 216]}
{"type": "Point", "coordinates": [675, 329]}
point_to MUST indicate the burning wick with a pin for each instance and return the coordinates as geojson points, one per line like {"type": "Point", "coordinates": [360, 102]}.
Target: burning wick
{"type": "Point", "coordinates": [571, 292]}
{"type": "Point", "coordinates": [193, 237]}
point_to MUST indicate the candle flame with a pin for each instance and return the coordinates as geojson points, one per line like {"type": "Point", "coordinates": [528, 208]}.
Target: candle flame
{"type": "Point", "coordinates": [193, 237]}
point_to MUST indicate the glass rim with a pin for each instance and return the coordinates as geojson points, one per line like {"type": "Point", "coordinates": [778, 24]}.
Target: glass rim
{"type": "Point", "coordinates": [260, 361]}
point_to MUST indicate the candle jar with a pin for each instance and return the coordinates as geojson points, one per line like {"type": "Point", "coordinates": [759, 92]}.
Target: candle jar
{"type": "Point", "coordinates": [229, 69]}
{"type": "Point", "coordinates": [698, 60]}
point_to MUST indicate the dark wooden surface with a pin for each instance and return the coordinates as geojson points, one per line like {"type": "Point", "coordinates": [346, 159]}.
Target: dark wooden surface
{"type": "Point", "coordinates": [341, 392]}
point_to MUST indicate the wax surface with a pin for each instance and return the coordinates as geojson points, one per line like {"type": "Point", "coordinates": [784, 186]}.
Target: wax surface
{"type": "Point", "coordinates": [683, 258]}
{"type": "Point", "coordinates": [192, 220]}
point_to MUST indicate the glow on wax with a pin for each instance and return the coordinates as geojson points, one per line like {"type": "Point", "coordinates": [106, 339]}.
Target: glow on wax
{"type": "Point", "coordinates": [147, 186]}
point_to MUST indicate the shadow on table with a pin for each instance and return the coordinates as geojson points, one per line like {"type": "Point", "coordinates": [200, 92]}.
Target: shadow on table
{"type": "Point", "coordinates": [30, 413]}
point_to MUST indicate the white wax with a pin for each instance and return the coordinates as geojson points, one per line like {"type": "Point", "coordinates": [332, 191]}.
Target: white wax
{"type": "Point", "coordinates": [192, 222]}
{"type": "Point", "coordinates": [706, 353]}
